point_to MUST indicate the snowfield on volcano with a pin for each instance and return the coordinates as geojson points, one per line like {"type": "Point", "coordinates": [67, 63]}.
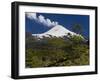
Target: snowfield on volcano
{"type": "Point", "coordinates": [57, 31]}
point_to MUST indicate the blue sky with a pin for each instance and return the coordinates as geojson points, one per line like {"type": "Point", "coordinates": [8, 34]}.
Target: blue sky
{"type": "Point", "coordinates": [36, 22]}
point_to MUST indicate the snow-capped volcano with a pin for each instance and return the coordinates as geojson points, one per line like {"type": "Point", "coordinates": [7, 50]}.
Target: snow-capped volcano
{"type": "Point", "coordinates": [58, 31]}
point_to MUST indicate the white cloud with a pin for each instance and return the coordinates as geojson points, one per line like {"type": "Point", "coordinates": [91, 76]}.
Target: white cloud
{"type": "Point", "coordinates": [41, 19]}
{"type": "Point", "coordinates": [49, 23]}
{"type": "Point", "coordinates": [56, 23]}
{"type": "Point", "coordinates": [32, 16]}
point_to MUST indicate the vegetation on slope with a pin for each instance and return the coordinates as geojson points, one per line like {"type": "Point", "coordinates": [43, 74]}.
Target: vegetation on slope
{"type": "Point", "coordinates": [53, 51]}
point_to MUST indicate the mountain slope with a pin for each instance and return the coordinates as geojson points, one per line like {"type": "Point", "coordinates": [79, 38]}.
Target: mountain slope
{"type": "Point", "coordinates": [58, 31]}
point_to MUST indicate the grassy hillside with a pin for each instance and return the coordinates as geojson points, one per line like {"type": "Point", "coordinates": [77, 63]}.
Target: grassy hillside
{"type": "Point", "coordinates": [53, 51]}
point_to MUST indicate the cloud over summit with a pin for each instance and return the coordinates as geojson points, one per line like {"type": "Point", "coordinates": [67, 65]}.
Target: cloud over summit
{"type": "Point", "coordinates": [41, 19]}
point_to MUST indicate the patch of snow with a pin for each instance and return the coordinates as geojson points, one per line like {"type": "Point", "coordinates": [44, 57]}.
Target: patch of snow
{"type": "Point", "coordinates": [57, 31]}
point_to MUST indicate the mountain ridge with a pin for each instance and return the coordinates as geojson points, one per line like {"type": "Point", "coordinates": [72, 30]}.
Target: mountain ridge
{"type": "Point", "coordinates": [57, 31]}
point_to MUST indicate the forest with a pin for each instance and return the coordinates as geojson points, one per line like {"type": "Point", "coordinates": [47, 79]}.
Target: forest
{"type": "Point", "coordinates": [56, 51]}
